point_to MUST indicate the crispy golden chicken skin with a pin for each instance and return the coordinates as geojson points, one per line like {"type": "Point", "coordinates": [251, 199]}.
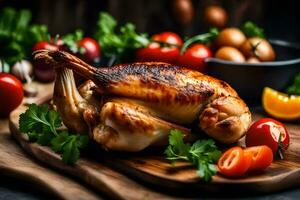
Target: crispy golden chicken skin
{"type": "Point", "coordinates": [155, 92]}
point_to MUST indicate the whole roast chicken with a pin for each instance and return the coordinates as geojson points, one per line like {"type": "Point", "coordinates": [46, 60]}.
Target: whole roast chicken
{"type": "Point", "coordinates": [129, 107]}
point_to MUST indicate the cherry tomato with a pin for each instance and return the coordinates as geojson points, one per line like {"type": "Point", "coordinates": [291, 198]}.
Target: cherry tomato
{"type": "Point", "coordinates": [158, 52]}
{"type": "Point", "coordinates": [194, 57]}
{"type": "Point", "coordinates": [91, 49]}
{"type": "Point", "coordinates": [261, 157]}
{"type": "Point", "coordinates": [51, 45]}
{"type": "Point", "coordinates": [11, 93]}
{"type": "Point", "coordinates": [234, 162]}
{"type": "Point", "coordinates": [266, 131]}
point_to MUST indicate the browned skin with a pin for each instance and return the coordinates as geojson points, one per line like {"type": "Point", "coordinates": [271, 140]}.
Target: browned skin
{"type": "Point", "coordinates": [172, 93]}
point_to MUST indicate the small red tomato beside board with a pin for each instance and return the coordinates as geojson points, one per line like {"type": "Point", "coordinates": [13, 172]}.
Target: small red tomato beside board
{"type": "Point", "coordinates": [164, 48]}
{"type": "Point", "coordinates": [234, 162]}
{"type": "Point", "coordinates": [261, 157]}
{"type": "Point", "coordinates": [267, 131]}
{"type": "Point", "coordinates": [11, 93]}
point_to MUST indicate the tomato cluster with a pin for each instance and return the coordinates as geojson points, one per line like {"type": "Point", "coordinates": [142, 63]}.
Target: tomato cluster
{"type": "Point", "coordinates": [166, 46]}
{"type": "Point", "coordinates": [265, 139]}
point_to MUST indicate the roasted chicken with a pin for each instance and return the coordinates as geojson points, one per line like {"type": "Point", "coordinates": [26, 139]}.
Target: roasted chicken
{"type": "Point", "coordinates": [132, 106]}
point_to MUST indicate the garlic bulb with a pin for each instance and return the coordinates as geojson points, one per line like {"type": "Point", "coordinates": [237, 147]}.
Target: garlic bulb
{"type": "Point", "coordinates": [23, 70]}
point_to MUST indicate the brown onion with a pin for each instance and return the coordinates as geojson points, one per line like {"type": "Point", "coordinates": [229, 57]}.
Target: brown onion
{"type": "Point", "coordinates": [215, 16]}
{"type": "Point", "coordinates": [231, 37]}
{"type": "Point", "coordinates": [258, 47]}
{"type": "Point", "coordinates": [230, 54]}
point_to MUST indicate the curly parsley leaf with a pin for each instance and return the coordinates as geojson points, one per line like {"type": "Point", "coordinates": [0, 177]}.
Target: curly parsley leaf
{"type": "Point", "coordinates": [41, 124]}
{"type": "Point", "coordinates": [250, 29]}
{"type": "Point", "coordinates": [203, 154]}
{"type": "Point", "coordinates": [177, 149]}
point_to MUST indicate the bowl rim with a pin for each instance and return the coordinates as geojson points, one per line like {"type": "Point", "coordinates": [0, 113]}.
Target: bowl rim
{"type": "Point", "coordinates": [262, 64]}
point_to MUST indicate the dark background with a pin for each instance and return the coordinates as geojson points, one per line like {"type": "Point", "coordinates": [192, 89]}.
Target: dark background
{"type": "Point", "coordinates": [280, 19]}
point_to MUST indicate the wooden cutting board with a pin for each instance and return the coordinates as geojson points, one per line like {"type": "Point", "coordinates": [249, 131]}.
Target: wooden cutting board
{"type": "Point", "coordinates": [152, 169]}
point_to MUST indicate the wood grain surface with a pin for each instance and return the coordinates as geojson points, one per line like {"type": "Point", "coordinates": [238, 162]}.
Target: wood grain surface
{"type": "Point", "coordinates": [151, 168]}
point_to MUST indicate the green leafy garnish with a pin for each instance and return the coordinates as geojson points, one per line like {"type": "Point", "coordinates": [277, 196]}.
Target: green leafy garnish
{"type": "Point", "coordinates": [294, 89]}
{"type": "Point", "coordinates": [17, 36]}
{"type": "Point", "coordinates": [118, 45]}
{"type": "Point", "coordinates": [252, 30]}
{"type": "Point", "coordinates": [203, 154]}
{"type": "Point", "coordinates": [71, 39]}
{"type": "Point", "coordinates": [202, 38]}
{"type": "Point", "coordinates": [41, 124]}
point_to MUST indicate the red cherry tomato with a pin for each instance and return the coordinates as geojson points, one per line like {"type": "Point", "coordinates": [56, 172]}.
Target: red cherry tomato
{"type": "Point", "coordinates": [266, 131]}
{"type": "Point", "coordinates": [156, 51]}
{"type": "Point", "coordinates": [194, 57]}
{"type": "Point", "coordinates": [168, 38]}
{"type": "Point", "coordinates": [42, 71]}
{"type": "Point", "coordinates": [91, 49]}
{"type": "Point", "coordinates": [45, 45]}
{"type": "Point", "coordinates": [11, 93]}
{"type": "Point", "coordinates": [234, 162]}
{"type": "Point", "coordinates": [261, 157]}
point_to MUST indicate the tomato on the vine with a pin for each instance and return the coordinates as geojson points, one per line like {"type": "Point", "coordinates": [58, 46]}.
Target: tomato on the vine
{"type": "Point", "coordinates": [194, 57]}
{"type": "Point", "coordinates": [267, 131]}
{"type": "Point", "coordinates": [11, 93]}
{"type": "Point", "coordinates": [163, 48]}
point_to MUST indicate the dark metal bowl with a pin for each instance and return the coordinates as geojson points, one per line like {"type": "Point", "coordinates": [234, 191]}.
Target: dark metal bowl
{"type": "Point", "coordinates": [249, 79]}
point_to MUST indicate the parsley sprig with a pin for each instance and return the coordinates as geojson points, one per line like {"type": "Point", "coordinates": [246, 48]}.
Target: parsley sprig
{"type": "Point", "coordinates": [203, 154]}
{"type": "Point", "coordinates": [41, 125]}
{"type": "Point", "coordinates": [118, 44]}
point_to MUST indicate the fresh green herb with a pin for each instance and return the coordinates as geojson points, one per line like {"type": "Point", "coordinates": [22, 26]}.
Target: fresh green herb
{"type": "Point", "coordinates": [41, 124]}
{"type": "Point", "coordinates": [118, 45]}
{"type": "Point", "coordinates": [71, 40]}
{"type": "Point", "coordinates": [252, 30]}
{"type": "Point", "coordinates": [203, 154]}
{"type": "Point", "coordinates": [203, 38]}
{"type": "Point", "coordinates": [17, 36]}
{"type": "Point", "coordinates": [294, 89]}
